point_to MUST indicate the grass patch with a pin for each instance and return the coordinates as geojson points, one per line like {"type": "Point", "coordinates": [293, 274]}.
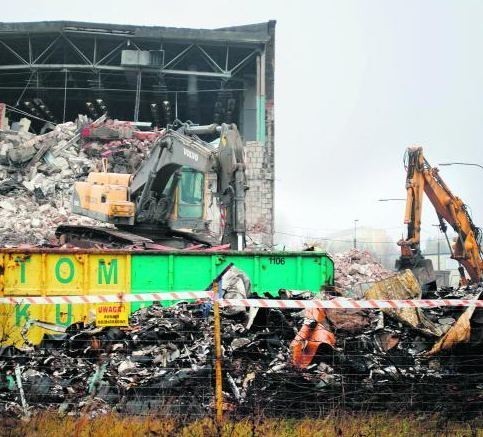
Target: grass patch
{"type": "Point", "coordinates": [112, 425]}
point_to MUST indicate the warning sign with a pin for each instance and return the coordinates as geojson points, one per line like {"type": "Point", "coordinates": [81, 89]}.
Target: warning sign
{"type": "Point", "coordinates": [112, 314]}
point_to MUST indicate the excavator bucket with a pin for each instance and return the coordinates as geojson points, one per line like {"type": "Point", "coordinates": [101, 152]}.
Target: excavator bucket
{"type": "Point", "coordinates": [310, 337]}
{"type": "Point", "coordinates": [423, 270]}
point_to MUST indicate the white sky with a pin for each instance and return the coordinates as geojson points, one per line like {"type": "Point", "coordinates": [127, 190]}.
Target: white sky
{"type": "Point", "coordinates": [356, 82]}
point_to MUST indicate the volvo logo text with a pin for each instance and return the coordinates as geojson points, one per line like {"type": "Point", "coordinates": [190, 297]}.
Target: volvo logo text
{"type": "Point", "coordinates": [190, 154]}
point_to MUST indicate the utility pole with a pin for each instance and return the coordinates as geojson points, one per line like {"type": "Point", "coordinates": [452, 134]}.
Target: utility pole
{"type": "Point", "coordinates": [439, 246]}
{"type": "Point", "coordinates": [355, 233]}
{"type": "Point", "coordinates": [439, 254]}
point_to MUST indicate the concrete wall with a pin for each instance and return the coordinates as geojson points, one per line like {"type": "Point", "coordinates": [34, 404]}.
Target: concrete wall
{"type": "Point", "coordinates": [259, 200]}
{"type": "Point", "coordinates": [260, 154]}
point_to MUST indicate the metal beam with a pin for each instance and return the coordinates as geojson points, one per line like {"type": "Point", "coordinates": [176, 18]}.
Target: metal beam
{"type": "Point", "coordinates": [242, 63]}
{"type": "Point", "coordinates": [93, 67]}
{"type": "Point", "coordinates": [179, 57]}
{"type": "Point", "coordinates": [65, 96]}
{"type": "Point", "coordinates": [226, 75]}
{"type": "Point", "coordinates": [127, 90]}
{"type": "Point", "coordinates": [94, 52]}
{"type": "Point", "coordinates": [210, 60]}
{"type": "Point", "coordinates": [30, 49]}
{"type": "Point", "coordinates": [78, 50]}
{"type": "Point", "coordinates": [14, 52]}
{"type": "Point", "coordinates": [46, 50]}
{"type": "Point", "coordinates": [137, 99]}
{"type": "Point", "coordinates": [114, 50]}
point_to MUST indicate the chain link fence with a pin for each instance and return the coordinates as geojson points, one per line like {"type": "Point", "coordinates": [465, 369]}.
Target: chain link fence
{"type": "Point", "coordinates": [164, 364]}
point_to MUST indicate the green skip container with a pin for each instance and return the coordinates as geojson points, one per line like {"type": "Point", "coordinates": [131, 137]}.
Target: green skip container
{"type": "Point", "coordinates": [28, 272]}
{"type": "Point", "coordinates": [194, 271]}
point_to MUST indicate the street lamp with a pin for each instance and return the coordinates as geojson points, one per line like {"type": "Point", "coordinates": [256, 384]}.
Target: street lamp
{"type": "Point", "coordinates": [439, 248]}
{"type": "Point", "coordinates": [388, 200]}
{"type": "Point", "coordinates": [461, 163]}
{"type": "Point", "coordinates": [355, 233]}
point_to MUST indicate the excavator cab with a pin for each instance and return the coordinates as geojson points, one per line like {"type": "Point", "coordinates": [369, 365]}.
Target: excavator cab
{"type": "Point", "coordinates": [170, 199]}
{"type": "Point", "coordinates": [190, 194]}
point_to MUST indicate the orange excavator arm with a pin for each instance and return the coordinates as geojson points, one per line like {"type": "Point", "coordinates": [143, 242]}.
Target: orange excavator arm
{"type": "Point", "coordinates": [415, 184]}
{"type": "Point", "coordinates": [422, 178]}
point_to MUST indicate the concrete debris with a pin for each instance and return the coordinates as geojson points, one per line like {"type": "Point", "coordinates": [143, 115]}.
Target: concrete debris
{"type": "Point", "coordinates": [235, 284]}
{"type": "Point", "coordinates": [119, 142]}
{"type": "Point", "coordinates": [404, 286]}
{"type": "Point", "coordinates": [19, 155]}
{"type": "Point", "coordinates": [355, 270]}
{"type": "Point", "coordinates": [37, 173]}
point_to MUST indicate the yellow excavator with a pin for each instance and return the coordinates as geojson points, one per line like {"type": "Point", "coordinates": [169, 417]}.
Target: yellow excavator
{"type": "Point", "coordinates": [165, 203]}
{"type": "Point", "coordinates": [423, 179]}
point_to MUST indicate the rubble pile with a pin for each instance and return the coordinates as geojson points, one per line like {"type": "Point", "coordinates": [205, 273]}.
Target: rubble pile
{"type": "Point", "coordinates": [37, 173]}
{"type": "Point", "coordinates": [164, 362]}
{"type": "Point", "coordinates": [119, 142]}
{"type": "Point", "coordinates": [356, 267]}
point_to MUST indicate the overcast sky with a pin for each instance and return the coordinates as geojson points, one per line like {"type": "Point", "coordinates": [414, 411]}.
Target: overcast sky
{"type": "Point", "coordinates": [356, 83]}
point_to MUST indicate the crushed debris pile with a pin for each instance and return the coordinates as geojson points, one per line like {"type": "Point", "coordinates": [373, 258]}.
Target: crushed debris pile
{"type": "Point", "coordinates": [165, 352]}
{"type": "Point", "coordinates": [356, 267]}
{"type": "Point", "coordinates": [37, 173]}
{"type": "Point", "coordinates": [164, 361]}
{"type": "Point", "coordinates": [119, 142]}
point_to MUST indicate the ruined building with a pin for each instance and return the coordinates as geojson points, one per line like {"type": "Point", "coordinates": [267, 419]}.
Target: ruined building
{"type": "Point", "coordinates": [56, 70]}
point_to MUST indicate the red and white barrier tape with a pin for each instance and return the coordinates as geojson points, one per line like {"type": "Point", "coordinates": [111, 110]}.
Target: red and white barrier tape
{"type": "Point", "coordinates": [338, 303]}
{"type": "Point", "coordinates": [352, 304]}
{"type": "Point", "coordinates": [106, 298]}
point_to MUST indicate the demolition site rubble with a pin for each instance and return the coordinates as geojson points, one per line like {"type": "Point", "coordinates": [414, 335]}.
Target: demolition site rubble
{"type": "Point", "coordinates": [37, 173]}
{"type": "Point", "coordinates": [355, 268]}
{"type": "Point", "coordinates": [393, 360]}
{"type": "Point", "coordinates": [427, 360]}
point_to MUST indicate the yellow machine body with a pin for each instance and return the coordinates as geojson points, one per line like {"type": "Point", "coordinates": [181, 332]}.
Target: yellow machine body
{"type": "Point", "coordinates": [105, 197]}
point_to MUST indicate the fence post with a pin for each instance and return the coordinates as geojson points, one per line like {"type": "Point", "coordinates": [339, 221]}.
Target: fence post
{"type": "Point", "coordinates": [218, 357]}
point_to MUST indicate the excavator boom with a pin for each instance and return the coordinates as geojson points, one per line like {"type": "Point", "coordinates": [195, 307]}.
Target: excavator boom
{"type": "Point", "coordinates": [423, 179]}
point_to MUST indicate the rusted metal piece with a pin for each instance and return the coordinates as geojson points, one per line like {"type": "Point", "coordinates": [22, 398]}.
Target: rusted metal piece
{"type": "Point", "coordinates": [460, 332]}
{"type": "Point", "coordinates": [353, 321]}
{"type": "Point", "coordinates": [310, 337]}
{"type": "Point", "coordinates": [387, 340]}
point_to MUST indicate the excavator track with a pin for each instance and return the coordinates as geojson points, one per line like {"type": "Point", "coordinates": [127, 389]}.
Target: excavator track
{"type": "Point", "coordinates": [92, 236]}
{"type": "Point", "coordinates": [95, 236]}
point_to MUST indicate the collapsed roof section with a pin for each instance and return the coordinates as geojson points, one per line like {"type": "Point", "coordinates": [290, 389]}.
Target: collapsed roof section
{"type": "Point", "coordinates": [58, 69]}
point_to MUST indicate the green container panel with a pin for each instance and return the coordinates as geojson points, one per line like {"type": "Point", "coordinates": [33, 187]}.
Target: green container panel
{"type": "Point", "coordinates": [268, 272]}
